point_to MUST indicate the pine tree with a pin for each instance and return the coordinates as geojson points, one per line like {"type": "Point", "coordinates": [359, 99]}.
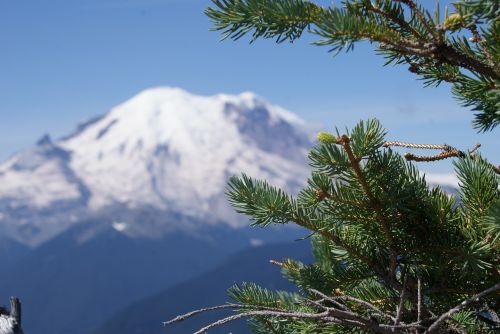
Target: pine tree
{"type": "Point", "coordinates": [392, 255]}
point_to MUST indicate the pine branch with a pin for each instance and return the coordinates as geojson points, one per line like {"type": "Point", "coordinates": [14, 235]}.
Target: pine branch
{"type": "Point", "coordinates": [329, 315]}
{"type": "Point", "coordinates": [283, 20]}
{"type": "Point", "coordinates": [455, 57]}
{"type": "Point", "coordinates": [437, 52]}
{"type": "Point", "coordinates": [356, 180]}
{"type": "Point", "coordinates": [267, 205]}
{"type": "Point", "coordinates": [344, 141]}
{"type": "Point", "coordinates": [334, 315]}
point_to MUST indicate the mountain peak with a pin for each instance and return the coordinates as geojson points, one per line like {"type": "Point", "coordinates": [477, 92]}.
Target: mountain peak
{"type": "Point", "coordinates": [247, 101]}
{"type": "Point", "coordinates": [163, 150]}
{"type": "Point", "coordinates": [44, 140]}
{"type": "Point", "coordinates": [160, 93]}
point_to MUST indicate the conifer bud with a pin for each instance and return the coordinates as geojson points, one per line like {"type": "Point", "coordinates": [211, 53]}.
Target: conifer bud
{"type": "Point", "coordinates": [320, 194]}
{"type": "Point", "coordinates": [453, 22]}
{"type": "Point", "coordinates": [326, 138]}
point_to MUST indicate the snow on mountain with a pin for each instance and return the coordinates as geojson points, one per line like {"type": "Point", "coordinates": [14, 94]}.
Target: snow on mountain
{"type": "Point", "coordinates": [165, 150]}
{"type": "Point", "coordinates": [40, 194]}
{"type": "Point", "coordinates": [153, 164]}
{"type": "Point", "coordinates": [38, 176]}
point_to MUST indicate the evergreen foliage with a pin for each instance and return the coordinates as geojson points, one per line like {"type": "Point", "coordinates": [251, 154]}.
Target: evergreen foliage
{"type": "Point", "coordinates": [382, 236]}
{"type": "Point", "coordinates": [461, 47]}
{"type": "Point", "coordinates": [393, 255]}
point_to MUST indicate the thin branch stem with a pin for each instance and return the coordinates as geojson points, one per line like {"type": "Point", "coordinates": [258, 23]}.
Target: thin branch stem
{"type": "Point", "coordinates": [435, 326]}
{"type": "Point", "coordinates": [419, 301]}
{"type": "Point", "coordinates": [476, 38]}
{"type": "Point", "coordinates": [402, 23]}
{"type": "Point", "coordinates": [329, 315]}
{"type": "Point", "coordinates": [418, 13]}
{"type": "Point", "coordinates": [412, 145]}
{"type": "Point", "coordinates": [260, 313]}
{"type": "Point", "coordinates": [399, 312]}
{"type": "Point", "coordinates": [331, 300]}
{"type": "Point", "coordinates": [355, 300]}
{"type": "Point", "coordinates": [344, 141]}
{"type": "Point", "coordinates": [185, 316]}
{"type": "Point", "coordinates": [437, 157]}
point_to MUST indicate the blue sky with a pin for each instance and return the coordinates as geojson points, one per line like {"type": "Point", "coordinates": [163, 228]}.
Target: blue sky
{"type": "Point", "coordinates": [64, 61]}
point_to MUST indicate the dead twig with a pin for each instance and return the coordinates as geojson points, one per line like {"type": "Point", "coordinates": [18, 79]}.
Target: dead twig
{"type": "Point", "coordinates": [447, 151]}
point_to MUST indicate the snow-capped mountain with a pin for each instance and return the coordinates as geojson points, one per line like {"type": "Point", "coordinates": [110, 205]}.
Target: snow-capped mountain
{"type": "Point", "coordinates": [164, 150]}
{"type": "Point", "coordinates": [132, 203]}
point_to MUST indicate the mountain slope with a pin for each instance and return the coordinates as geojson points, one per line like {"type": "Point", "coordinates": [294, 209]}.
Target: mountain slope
{"type": "Point", "coordinates": [79, 279]}
{"type": "Point", "coordinates": [39, 185]}
{"type": "Point", "coordinates": [133, 201]}
{"type": "Point", "coordinates": [164, 149]}
{"type": "Point", "coordinates": [251, 265]}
